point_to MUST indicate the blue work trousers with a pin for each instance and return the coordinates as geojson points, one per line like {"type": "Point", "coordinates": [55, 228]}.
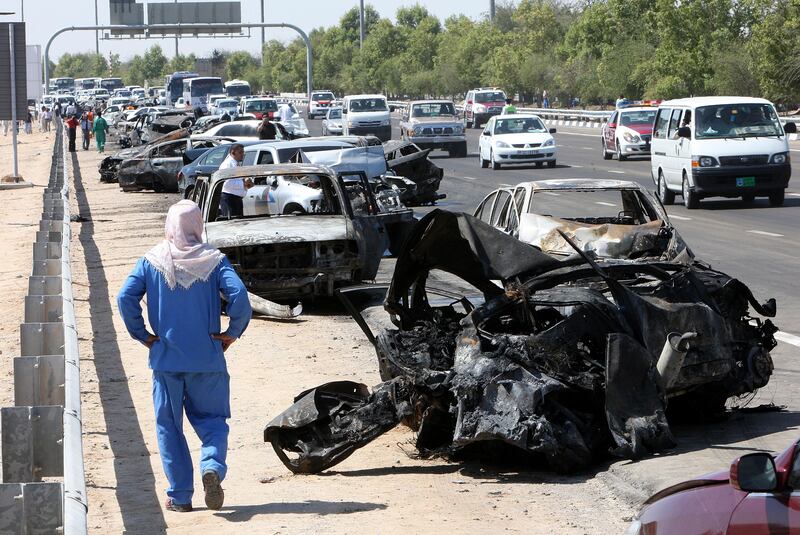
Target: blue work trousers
{"type": "Point", "coordinates": [205, 396]}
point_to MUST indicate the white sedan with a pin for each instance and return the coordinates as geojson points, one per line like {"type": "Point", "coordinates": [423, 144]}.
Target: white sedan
{"type": "Point", "coordinates": [516, 139]}
{"type": "Point", "coordinates": [284, 195]}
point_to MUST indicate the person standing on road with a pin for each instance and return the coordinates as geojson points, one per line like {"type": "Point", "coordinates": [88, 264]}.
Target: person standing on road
{"type": "Point", "coordinates": [183, 278]}
{"type": "Point", "coordinates": [266, 130]}
{"type": "Point", "coordinates": [234, 189]}
{"type": "Point", "coordinates": [72, 125]}
{"type": "Point", "coordinates": [99, 128]}
{"type": "Point", "coordinates": [509, 108]}
{"type": "Point", "coordinates": [86, 130]}
{"type": "Point", "coordinates": [545, 100]}
{"type": "Point", "coordinates": [28, 123]}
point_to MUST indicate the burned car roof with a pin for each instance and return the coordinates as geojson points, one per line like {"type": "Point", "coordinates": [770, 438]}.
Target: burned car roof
{"type": "Point", "coordinates": [271, 169]}
{"type": "Point", "coordinates": [580, 183]}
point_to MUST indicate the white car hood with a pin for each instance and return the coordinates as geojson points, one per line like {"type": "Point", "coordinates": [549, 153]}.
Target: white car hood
{"type": "Point", "coordinates": [516, 139]}
{"type": "Point", "coordinates": [367, 116]}
{"type": "Point", "coordinates": [739, 146]}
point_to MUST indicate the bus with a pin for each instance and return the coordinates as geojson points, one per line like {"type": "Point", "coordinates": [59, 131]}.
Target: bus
{"type": "Point", "coordinates": [237, 89]}
{"type": "Point", "coordinates": [196, 91]}
{"type": "Point", "coordinates": [86, 83]}
{"type": "Point", "coordinates": [174, 83]}
{"type": "Point", "coordinates": [110, 84]}
{"type": "Point", "coordinates": [64, 83]}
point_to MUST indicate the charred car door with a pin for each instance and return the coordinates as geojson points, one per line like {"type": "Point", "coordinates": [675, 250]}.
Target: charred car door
{"type": "Point", "coordinates": [166, 160]}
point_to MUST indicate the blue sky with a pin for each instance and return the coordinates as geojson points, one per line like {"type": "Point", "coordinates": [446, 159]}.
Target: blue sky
{"type": "Point", "coordinates": [45, 17]}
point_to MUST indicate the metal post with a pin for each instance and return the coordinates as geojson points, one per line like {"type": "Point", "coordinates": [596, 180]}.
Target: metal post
{"type": "Point", "coordinates": [491, 10]}
{"type": "Point", "coordinates": [360, 25]}
{"type": "Point", "coordinates": [96, 32]}
{"type": "Point", "coordinates": [13, 97]}
{"type": "Point", "coordinates": [176, 40]}
{"type": "Point", "coordinates": [22, 9]}
{"type": "Point", "coordinates": [262, 29]}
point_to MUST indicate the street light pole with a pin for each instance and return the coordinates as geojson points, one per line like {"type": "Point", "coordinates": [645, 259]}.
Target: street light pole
{"type": "Point", "coordinates": [361, 23]}
{"type": "Point", "coordinates": [262, 29]}
{"type": "Point", "coordinates": [96, 32]}
{"type": "Point", "coordinates": [491, 10]}
{"type": "Point", "coordinates": [22, 9]}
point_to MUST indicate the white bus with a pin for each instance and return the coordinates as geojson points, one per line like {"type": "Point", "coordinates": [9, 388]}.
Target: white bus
{"type": "Point", "coordinates": [237, 89]}
{"type": "Point", "coordinates": [196, 91]}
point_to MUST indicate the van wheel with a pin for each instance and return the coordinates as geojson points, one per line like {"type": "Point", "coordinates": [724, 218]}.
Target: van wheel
{"type": "Point", "coordinates": [606, 155]}
{"type": "Point", "coordinates": [691, 200]}
{"type": "Point", "coordinates": [666, 196]}
{"type": "Point", "coordinates": [777, 197]}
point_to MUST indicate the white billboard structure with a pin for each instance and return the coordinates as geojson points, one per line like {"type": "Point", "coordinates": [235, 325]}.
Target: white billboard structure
{"type": "Point", "coordinates": [33, 59]}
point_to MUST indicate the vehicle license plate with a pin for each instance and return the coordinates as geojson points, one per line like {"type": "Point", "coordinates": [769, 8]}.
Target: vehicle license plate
{"type": "Point", "coordinates": [527, 152]}
{"type": "Point", "coordinates": [746, 181]}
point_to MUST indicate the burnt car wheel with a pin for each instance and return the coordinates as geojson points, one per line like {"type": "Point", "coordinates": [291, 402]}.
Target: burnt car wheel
{"type": "Point", "coordinates": [691, 200]}
{"type": "Point", "coordinates": [666, 196]}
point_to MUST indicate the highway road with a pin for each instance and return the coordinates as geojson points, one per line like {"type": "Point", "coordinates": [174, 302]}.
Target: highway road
{"type": "Point", "coordinates": [755, 243]}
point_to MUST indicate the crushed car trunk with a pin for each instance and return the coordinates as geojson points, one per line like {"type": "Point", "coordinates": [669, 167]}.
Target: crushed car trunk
{"type": "Point", "coordinates": [559, 364]}
{"type": "Point", "coordinates": [407, 160]}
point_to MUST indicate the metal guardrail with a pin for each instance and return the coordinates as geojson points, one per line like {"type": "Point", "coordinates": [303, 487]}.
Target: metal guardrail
{"type": "Point", "coordinates": [41, 434]}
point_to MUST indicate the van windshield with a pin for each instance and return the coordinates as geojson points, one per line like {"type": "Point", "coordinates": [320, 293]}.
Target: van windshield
{"type": "Point", "coordinates": [737, 120]}
{"type": "Point", "coordinates": [368, 104]}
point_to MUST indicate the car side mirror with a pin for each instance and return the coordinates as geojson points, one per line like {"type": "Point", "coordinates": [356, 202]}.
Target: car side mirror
{"type": "Point", "coordinates": [684, 131]}
{"type": "Point", "coordinates": [485, 133]}
{"type": "Point", "coordinates": [552, 130]}
{"type": "Point", "coordinates": [754, 472]}
{"type": "Point", "coordinates": [790, 128]}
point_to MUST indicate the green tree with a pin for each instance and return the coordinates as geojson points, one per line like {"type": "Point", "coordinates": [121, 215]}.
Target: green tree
{"type": "Point", "coordinates": [240, 63]}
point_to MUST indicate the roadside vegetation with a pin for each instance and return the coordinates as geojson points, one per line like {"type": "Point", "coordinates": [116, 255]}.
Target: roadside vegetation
{"type": "Point", "coordinates": [591, 49]}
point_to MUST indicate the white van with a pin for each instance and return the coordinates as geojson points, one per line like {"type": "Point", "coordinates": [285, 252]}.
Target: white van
{"type": "Point", "coordinates": [364, 115]}
{"type": "Point", "coordinates": [720, 147]}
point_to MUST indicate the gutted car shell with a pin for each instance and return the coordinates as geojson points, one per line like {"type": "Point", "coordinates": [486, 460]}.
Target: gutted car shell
{"type": "Point", "coordinates": [559, 364]}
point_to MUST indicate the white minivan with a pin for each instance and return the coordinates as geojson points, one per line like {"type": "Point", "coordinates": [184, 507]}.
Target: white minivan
{"type": "Point", "coordinates": [364, 115]}
{"type": "Point", "coordinates": [720, 147]}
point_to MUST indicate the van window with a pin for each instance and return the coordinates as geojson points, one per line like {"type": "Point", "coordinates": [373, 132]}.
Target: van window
{"type": "Point", "coordinates": [674, 122]}
{"type": "Point", "coordinates": [662, 123]}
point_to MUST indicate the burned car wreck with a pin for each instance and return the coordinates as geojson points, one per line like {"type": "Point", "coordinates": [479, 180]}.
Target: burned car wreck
{"type": "Point", "coordinates": [568, 361]}
{"type": "Point", "coordinates": [408, 160]}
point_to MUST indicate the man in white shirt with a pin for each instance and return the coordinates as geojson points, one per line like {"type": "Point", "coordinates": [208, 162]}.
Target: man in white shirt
{"type": "Point", "coordinates": [234, 189]}
{"type": "Point", "coordinates": [285, 113]}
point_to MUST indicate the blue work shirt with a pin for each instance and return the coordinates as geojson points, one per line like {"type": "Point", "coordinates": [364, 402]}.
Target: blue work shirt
{"type": "Point", "coordinates": [184, 319]}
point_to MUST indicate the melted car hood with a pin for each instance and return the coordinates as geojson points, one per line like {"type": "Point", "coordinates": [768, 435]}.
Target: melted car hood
{"type": "Point", "coordinates": [277, 229]}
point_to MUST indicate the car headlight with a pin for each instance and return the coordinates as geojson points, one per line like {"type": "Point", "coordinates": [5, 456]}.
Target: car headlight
{"type": "Point", "coordinates": [549, 143]}
{"type": "Point", "coordinates": [781, 157]}
{"type": "Point", "coordinates": [417, 130]}
{"type": "Point", "coordinates": [502, 144]}
{"type": "Point", "coordinates": [458, 129]}
{"type": "Point", "coordinates": [631, 138]}
{"type": "Point", "coordinates": [350, 124]}
{"type": "Point", "coordinates": [336, 125]}
{"type": "Point", "coordinates": [385, 122]}
{"type": "Point", "coordinates": [480, 108]}
{"type": "Point", "coordinates": [704, 161]}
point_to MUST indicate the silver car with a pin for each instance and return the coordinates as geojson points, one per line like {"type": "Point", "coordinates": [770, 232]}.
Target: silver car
{"type": "Point", "coordinates": [332, 124]}
{"type": "Point", "coordinates": [434, 124]}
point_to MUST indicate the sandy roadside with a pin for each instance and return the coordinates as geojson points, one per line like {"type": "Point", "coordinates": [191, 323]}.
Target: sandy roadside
{"type": "Point", "coordinates": [380, 489]}
{"type": "Point", "coordinates": [19, 221]}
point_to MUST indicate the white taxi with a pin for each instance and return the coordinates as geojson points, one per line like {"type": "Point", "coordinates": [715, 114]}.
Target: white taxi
{"type": "Point", "coordinates": [516, 139]}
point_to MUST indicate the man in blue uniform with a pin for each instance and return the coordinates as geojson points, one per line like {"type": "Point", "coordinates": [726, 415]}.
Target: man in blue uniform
{"type": "Point", "coordinates": [183, 279]}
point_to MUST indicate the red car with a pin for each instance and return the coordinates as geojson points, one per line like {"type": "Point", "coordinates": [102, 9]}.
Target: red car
{"type": "Point", "coordinates": [758, 495]}
{"type": "Point", "coordinates": [628, 132]}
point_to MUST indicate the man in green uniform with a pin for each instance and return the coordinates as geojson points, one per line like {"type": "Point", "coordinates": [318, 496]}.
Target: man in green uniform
{"type": "Point", "coordinates": [99, 128]}
{"type": "Point", "coordinates": [509, 108]}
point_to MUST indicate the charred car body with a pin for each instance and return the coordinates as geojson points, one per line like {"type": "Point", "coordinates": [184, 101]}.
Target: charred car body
{"type": "Point", "coordinates": [407, 160]}
{"type": "Point", "coordinates": [303, 254]}
{"type": "Point", "coordinates": [567, 361]}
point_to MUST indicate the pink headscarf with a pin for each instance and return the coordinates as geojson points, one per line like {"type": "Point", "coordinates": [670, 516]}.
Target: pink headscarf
{"type": "Point", "coordinates": [182, 258]}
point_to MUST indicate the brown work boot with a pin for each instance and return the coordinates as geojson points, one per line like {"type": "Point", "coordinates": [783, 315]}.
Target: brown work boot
{"type": "Point", "coordinates": [215, 496]}
{"type": "Point", "coordinates": [170, 505]}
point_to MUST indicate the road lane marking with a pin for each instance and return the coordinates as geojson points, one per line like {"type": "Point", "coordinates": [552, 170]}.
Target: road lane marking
{"type": "Point", "coordinates": [603, 203]}
{"type": "Point", "coordinates": [506, 185]}
{"type": "Point", "coordinates": [617, 172]}
{"type": "Point", "coordinates": [794, 194]}
{"type": "Point", "coordinates": [575, 166]}
{"type": "Point", "coordinates": [788, 338]}
{"type": "Point", "coordinates": [679, 217]}
{"type": "Point", "coordinates": [579, 134]}
{"type": "Point", "coordinates": [469, 178]}
{"type": "Point", "coordinates": [764, 233]}
{"type": "Point", "coordinates": [587, 148]}
{"type": "Point", "coordinates": [551, 193]}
